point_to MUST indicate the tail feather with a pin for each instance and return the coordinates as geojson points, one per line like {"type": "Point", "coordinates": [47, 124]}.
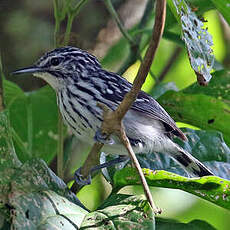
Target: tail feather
{"type": "Point", "coordinates": [190, 163]}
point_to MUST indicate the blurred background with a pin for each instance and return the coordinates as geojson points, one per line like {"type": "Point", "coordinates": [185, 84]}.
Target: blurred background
{"type": "Point", "coordinates": [27, 31]}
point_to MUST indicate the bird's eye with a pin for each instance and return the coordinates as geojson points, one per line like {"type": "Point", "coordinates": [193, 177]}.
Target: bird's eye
{"type": "Point", "coordinates": [55, 61]}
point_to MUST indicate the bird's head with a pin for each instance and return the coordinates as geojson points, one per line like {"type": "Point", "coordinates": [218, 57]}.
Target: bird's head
{"type": "Point", "coordinates": [63, 66]}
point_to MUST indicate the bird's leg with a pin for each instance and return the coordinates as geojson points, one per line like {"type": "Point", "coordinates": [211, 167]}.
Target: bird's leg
{"type": "Point", "coordinates": [82, 181]}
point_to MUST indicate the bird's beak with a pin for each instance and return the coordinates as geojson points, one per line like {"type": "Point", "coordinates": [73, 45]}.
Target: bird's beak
{"type": "Point", "coordinates": [31, 69]}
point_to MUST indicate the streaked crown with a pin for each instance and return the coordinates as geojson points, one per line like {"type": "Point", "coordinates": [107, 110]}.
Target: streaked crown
{"type": "Point", "coordinates": [62, 66]}
{"type": "Point", "coordinates": [67, 60]}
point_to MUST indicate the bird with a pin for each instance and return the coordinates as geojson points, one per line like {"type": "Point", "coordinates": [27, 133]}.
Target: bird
{"type": "Point", "coordinates": [80, 83]}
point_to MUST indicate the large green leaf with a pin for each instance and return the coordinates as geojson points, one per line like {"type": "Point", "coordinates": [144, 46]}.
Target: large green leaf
{"type": "Point", "coordinates": [165, 224]}
{"type": "Point", "coordinates": [219, 87]}
{"type": "Point", "coordinates": [197, 40]}
{"type": "Point", "coordinates": [211, 188]}
{"type": "Point", "coordinates": [7, 153]}
{"type": "Point", "coordinates": [200, 110]}
{"type": "Point", "coordinates": [38, 198]}
{"type": "Point", "coordinates": [33, 117]}
{"type": "Point", "coordinates": [121, 212]}
{"type": "Point", "coordinates": [45, 210]}
{"type": "Point", "coordinates": [8, 157]}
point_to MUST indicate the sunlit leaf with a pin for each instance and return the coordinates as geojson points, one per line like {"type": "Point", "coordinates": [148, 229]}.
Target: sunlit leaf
{"type": "Point", "coordinates": [166, 224]}
{"type": "Point", "coordinates": [211, 188]}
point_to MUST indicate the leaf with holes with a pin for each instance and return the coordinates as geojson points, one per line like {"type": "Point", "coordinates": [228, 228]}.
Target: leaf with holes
{"type": "Point", "coordinates": [197, 40]}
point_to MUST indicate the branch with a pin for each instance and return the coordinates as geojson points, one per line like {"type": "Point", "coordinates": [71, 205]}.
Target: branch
{"type": "Point", "coordinates": [135, 49]}
{"type": "Point", "coordinates": [171, 61]}
{"type": "Point", "coordinates": [117, 20]}
{"type": "Point", "coordinates": [131, 96]}
{"type": "Point", "coordinates": [112, 120]}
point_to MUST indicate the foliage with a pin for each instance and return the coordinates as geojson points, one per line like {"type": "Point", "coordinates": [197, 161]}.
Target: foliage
{"type": "Point", "coordinates": [33, 197]}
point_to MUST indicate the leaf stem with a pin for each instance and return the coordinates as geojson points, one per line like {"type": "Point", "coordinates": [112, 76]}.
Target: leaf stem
{"type": "Point", "coordinates": [59, 15]}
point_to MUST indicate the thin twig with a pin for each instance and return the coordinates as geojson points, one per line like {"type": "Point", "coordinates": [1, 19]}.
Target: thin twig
{"type": "Point", "coordinates": [124, 139]}
{"type": "Point", "coordinates": [130, 97]}
{"type": "Point", "coordinates": [60, 145]}
{"type": "Point", "coordinates": [60, 13]}
{"type": "Point", "coordinates": [113, 12]}
{"type": "Point", "coordinates": [92, 160]}
{"type": "Point", "coordinates": [171, 61]}
{"type": "Point", "coordinates": [135, 49]}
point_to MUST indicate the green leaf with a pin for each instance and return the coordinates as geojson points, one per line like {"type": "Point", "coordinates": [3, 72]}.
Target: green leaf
{"type": "Point", "coordinates": [8, 157]}
{"type": "Point", "coordinates": [7, 153]}
{"type": "Point", "coordinates": [39, 198]}
{"type": "Point", "coordinates": [165, 224]}
{"type": "Point", "coordinates": [45, 210]}
{"type": "Point", "coordinates": [121, 212]}
{"type": "Point", "coordinates": [219, 87]}
{"type": "Point", "coordinates": [210, 188]}
{"type": "Point", "coordinates": [197, 40]}
{"type": "Point", "coordinates": [33, 117]}
{"type": "Point", "coordinates": [199, 144]}
{"type": "Point", "coordinates": [223, 7]}
{"type": "Point", "coordinates": [160, 89]}
{"type": "Point", "coordinates": [202, 111]}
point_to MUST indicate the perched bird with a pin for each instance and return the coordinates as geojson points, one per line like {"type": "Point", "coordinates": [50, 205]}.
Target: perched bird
{"type": "Point", "coordinates": [80, 82]}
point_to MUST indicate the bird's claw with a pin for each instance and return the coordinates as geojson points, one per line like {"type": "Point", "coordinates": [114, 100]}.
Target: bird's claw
{"type": "Point", "coordinates": [80, 179]}
{"type": "Point", "coordinates": [100, 137]}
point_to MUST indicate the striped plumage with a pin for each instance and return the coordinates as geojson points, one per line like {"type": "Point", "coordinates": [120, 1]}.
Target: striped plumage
{"type": "Point", "coordinates": [80, 82]}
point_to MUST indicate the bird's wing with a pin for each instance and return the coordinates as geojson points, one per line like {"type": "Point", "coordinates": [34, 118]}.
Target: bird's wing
{"type": "Point", "coordinates": [116, 88]}
{"type": "Point", "coordinates": [151, 108]}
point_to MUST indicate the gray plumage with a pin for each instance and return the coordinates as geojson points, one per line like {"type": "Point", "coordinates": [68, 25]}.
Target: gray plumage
{"type": "Point", "coordinates": [80, 82]}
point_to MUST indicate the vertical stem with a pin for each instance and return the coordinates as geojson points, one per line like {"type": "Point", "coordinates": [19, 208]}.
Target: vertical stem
{"type": "Point", "coordinates": [30, 127]}
{"type": "Point", "coordinates": [1, 87]}
{"type": "Point", "coordinates": [60, 153]}
{"type": "Point", "coordinates": [57, 22]}
{"type": "Point", "coordinates": [68, 28]}
{"type": "Point", "coordinates": [60, 168]}
{"type": "Point", "coordinates": [113, 12]}
{"type": "Point", "coordinates": [59, 15]}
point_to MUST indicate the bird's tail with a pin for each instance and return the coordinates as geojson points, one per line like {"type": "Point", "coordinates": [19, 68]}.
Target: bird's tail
{"type": "Point", "coordinates": [190, 163]}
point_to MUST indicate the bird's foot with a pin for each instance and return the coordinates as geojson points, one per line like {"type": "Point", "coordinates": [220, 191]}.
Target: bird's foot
{"type": "Point", "coordinates": [78, 177]}
{"type": "Point", "coordinates": [100, 137]}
